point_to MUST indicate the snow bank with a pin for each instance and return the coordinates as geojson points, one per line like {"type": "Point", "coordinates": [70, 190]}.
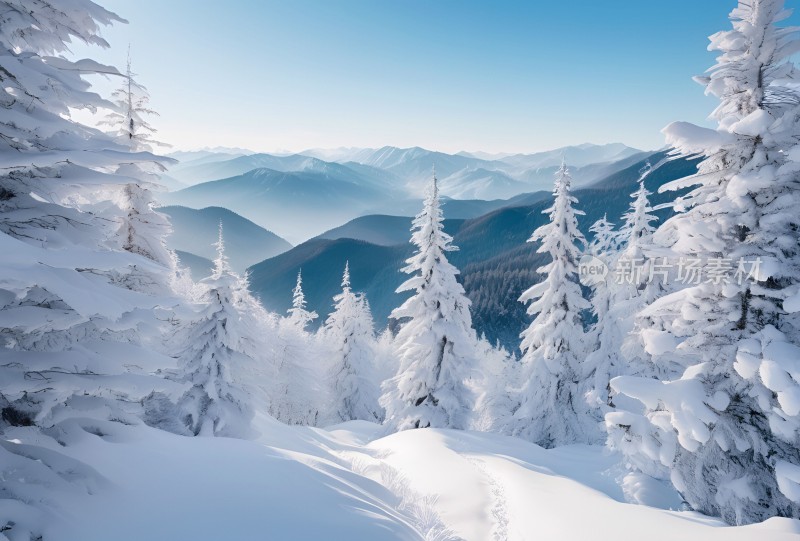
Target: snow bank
{"type": "Point", "coordinates": [286, 486]}
{"type": "Point", "coordinates": [343, 484]}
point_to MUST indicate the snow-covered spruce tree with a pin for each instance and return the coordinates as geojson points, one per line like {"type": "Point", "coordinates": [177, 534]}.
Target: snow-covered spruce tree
{"type": "Point", "coordinates": [553, 410]}
{"type": "Point", "coordinates": [128, 121]}
{"type": "Point", "coordinates": [142, 230]}
{"type": "Point", "coordinates": [726, 432]}
{"type": "Point", "coordinates": [299, 392]}
{"type": "Point", "coordinates": [63, 315]}
{"type": "Point", "coordinates": [349, 331]}
{"type": "Point", "coordinates": [631, 284]}
{"type": "Point", "coordinates": [56, 227]}
{"type": "Point", "coordinates": [492, 388]}
{"type": "Point", "coordinates": [301, 362]}
{"type": "Point", "coordinates": [642, 276]}
{"type": "Point", "coordinates": [215, 347]}
{"type": "Point", "coordinates": [436, 343]}
{"type": "Point", "coordinates": [606, 238]}
{"type": "Point", "coordinates": [298, 314]}
{"type": "Point", "coordinates": [604, 247]}
{"type": "Point", "coordinates": [635, 259]}
{"type": "Point", "coordinates": [638, 229]}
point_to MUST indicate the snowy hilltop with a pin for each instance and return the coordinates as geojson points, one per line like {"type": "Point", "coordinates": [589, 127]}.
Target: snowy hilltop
{"type": "Point", "coordinates": [653, 393]}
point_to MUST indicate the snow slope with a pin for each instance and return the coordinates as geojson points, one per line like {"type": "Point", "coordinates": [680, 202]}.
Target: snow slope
{"type": "Point", "coordinates": [494, 487]}
{"type": "Point", "coordinates": [348, 483]}
{"type": "Point", "coordinates": [286, 486]}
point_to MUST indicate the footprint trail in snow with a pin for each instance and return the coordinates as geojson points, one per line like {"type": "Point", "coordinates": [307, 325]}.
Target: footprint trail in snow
{"type": "Point", "coordinates": [499, 509]}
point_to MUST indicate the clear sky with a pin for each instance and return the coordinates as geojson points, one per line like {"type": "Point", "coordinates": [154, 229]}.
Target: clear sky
{"type": "Point", "coordinates": [450, 75]}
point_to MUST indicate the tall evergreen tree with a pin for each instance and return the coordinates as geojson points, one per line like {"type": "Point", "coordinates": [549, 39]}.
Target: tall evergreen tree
{"type": "Point", "coordinates": [436, 343]}
{"type": "Point", "coordinates": [726, 431]}
{"type": "Point", "coordinates": [638, 228]}
{"type": "Point", "coordinates": [631, 284]}
{"type": "Point", "coordinates": [128, 119]}
{"type": "Point", "coordinates": [641, 278]}
{"type": "Point", "coordinates": [214, 351]}
{"type": "Point", "coordinates": [553, 410]}
{"type": "Point", "coordinates": [143, 230]}
{"type": "Point", "coordinates": [61, 306]}
{"type": "Point", "coordinates": [298, 314]}
{"type": "Point", "coordinates": [636, 273]}
{"type": "Point", "coordinates": [350, 331]}
{"type": "Point", "coordinates": [300, 393]}
{"type": "Point", "coordinates": [603, 359]}
{"type": "Point", "coordinates": [55, 226]}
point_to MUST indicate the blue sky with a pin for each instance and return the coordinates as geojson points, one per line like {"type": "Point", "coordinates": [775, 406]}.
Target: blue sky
{"type": "Point", "coordinates": [511, 76]}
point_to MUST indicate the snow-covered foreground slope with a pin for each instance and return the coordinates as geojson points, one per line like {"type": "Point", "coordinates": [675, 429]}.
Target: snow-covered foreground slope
{"type": "Point", "coordinates": [348, 483]}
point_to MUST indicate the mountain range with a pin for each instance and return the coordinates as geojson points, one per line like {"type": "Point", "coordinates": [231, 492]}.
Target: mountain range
{"type": "Point", "coordinates": [300, 195]}
{"type": "Point", "coordinates": [296, 205]}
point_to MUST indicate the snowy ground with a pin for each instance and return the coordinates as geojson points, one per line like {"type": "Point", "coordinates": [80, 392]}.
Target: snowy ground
{"type": "Point", "coordinates": [349, 483]}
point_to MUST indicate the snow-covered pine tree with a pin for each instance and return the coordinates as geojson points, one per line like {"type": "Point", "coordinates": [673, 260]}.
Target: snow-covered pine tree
{"type": "Point", "coordinates": [128, 119]}
{"type": "Point", "coordinates": [726, 431]}
{"type": "Point", "coordinates": [298, 314]}
{"type": "Point", "coordinates": [606, 238]}
{"type": "Point", "coordinates": [214, 351]}
{"type": "Point", "coordinates": [64, 320]}
{"type": "Point", "coordinates": [617, 299]}
{"type": "Point", "coordinates": [492, 388]}
{"type": "Point", "coordinates": [553, 410]}
{"type": "Point", "coordinates": [143, 230]}
{"type": "Point", "coordinates": [637, 230]}
{"type": "Point", "coordinates": [604, 247]}
{"type": "Point", "coordinates": [349, 330]}
{"type": "Point", "coordinates": [436, 343]}
{"type": "Point", "coordinates": [299, 392]}
{"type": "Point", "coordinates": [642, 277]}
{"type": "Point", "coordinates": [57, 232]}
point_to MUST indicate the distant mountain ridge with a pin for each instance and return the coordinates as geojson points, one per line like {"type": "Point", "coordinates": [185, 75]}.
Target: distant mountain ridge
{"type": "Point", "coordinates": [299, 196]}
{"type": "Point", "coordinates": [507, 175]}
{"type": "Point", "coordinates": [297, 205]}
